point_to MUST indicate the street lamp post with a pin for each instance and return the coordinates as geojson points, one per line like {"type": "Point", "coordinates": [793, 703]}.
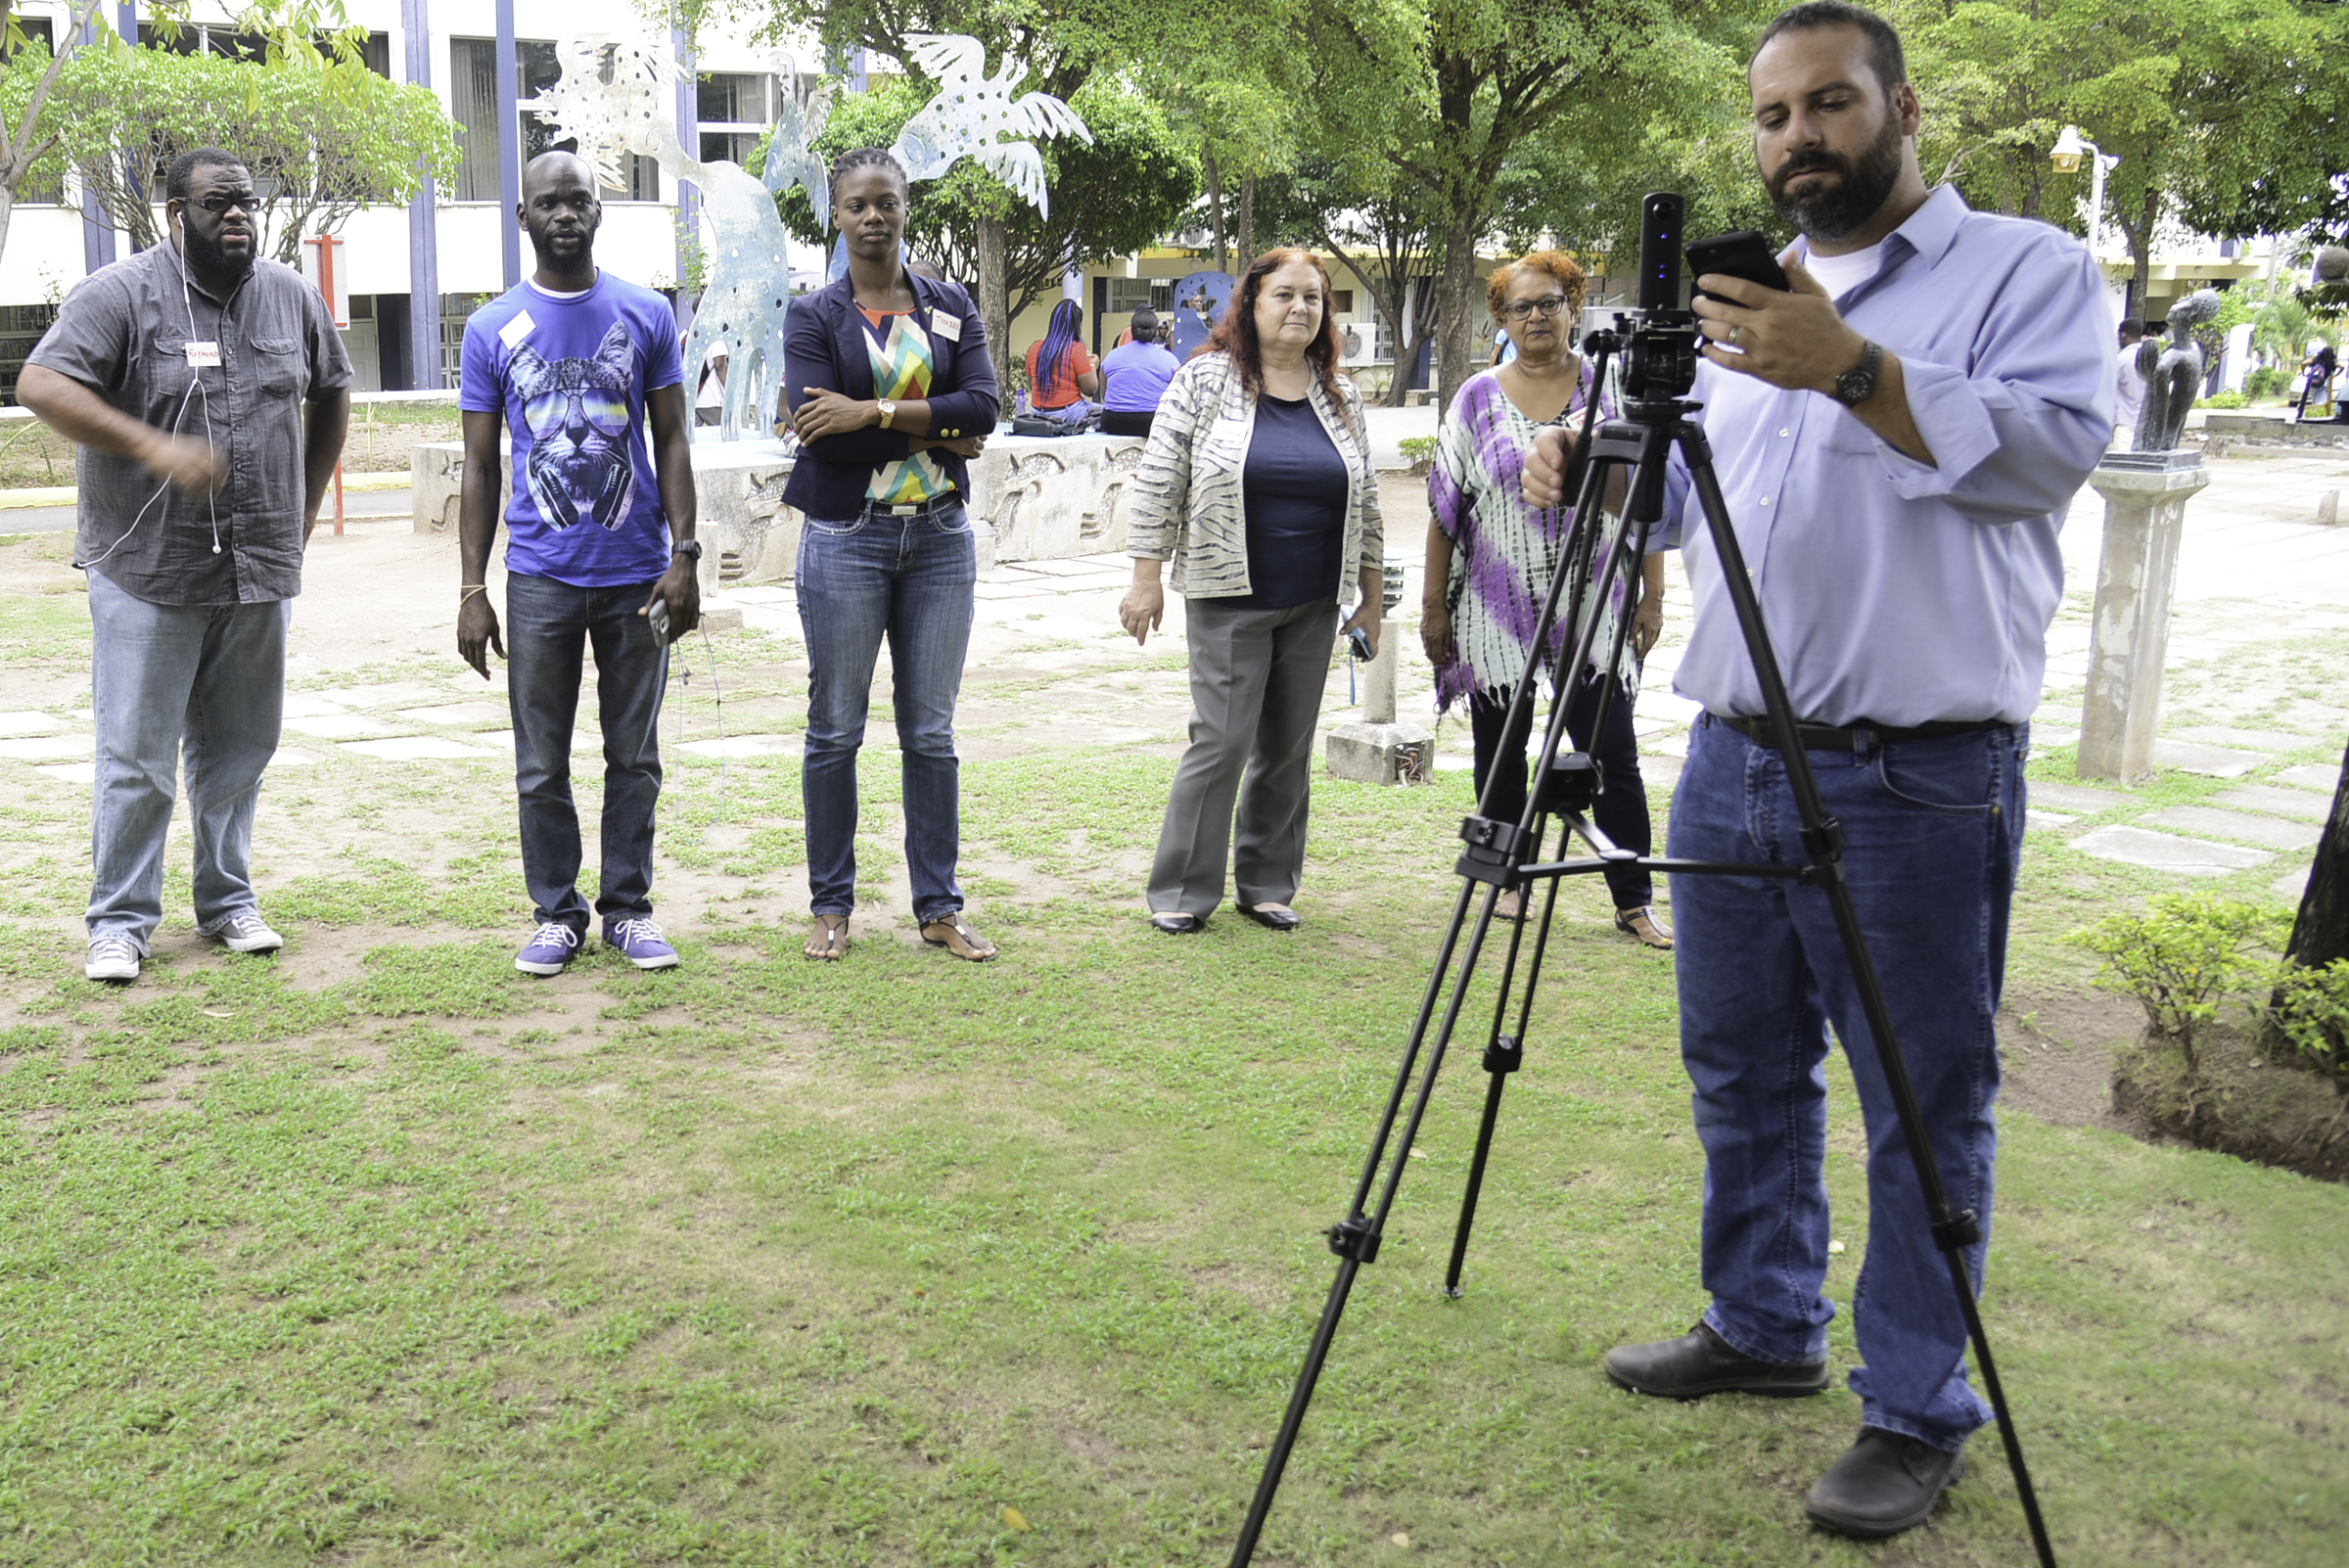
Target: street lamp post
{"type": "Point", "coordinates": [2065, 156]}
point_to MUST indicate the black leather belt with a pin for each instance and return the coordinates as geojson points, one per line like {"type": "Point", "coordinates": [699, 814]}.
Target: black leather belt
{"type": "Point", "coordinates": [1860, 737]}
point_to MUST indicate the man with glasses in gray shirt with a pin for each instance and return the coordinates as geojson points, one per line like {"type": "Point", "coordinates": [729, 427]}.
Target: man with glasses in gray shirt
{"type": "Point", "coordinates": [209, 396]}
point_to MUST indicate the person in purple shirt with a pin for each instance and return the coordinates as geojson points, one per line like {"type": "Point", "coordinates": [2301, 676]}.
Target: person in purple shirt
{"type": "Point", "coordinates": [1136, 374]}
{"type": "Point", "coordinates": [1897, 439]}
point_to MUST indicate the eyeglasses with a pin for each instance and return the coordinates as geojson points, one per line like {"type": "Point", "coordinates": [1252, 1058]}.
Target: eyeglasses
{"type": "Point", "coordinates": [1549, 304]}
{"type": "Point", "coordinates": [220, 202]}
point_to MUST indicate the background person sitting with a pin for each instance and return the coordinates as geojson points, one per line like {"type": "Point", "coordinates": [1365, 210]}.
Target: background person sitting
{"type": "Point", "coordinates": [1060, 371]}
{"type": "Point", "coordinates": [1136, 374]}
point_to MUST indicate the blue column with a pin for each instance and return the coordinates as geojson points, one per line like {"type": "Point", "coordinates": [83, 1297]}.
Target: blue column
{"type": "Point", "coordinates": [509, 143]}
{"type": "Point", "coordinates": [97, 229]}
{"type": "Point", "coordinates": [689, 136]}
{"type": "Point", "coordinates": [424, 225]}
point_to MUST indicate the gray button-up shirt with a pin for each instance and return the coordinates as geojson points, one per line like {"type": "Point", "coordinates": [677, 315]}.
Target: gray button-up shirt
{"type": "Point", "coordinates": [124, 333]}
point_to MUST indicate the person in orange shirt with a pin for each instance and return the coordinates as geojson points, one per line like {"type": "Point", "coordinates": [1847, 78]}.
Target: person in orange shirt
{"type": "Point", "coordinates": [1060, 372]}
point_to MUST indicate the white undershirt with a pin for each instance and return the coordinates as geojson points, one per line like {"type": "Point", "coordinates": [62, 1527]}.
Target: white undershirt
{"type": "Point", "coordinates": [552, 295]}
{"type": "Point", "coordinates": [1839, 275]}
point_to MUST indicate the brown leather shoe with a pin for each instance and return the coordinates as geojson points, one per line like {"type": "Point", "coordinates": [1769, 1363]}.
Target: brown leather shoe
{"type": "Point", "coordinates": [1701, 1363]}
{"type": "Point", "coordinates": [1884, 1484]}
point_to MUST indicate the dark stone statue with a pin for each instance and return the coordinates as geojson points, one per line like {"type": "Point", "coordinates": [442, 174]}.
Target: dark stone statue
{"type": "Point", "coordinates": [2173, 373]}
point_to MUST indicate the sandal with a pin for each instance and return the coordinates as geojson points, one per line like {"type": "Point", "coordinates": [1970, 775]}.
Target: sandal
{"type": "Point", "coordinates": [959, 940]}
{"type": "Point", "coordinates": [827, 939]}
{"type": "Point", "coordinates": [1510, 906]}
{"type": "Point", "coordinates": [1642, 923]}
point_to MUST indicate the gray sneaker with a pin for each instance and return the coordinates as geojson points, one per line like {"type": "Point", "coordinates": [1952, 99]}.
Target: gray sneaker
{"type": "Point", "coordinates": [112, 957]}
{"type": "Point", "coordinates": [244, 932]}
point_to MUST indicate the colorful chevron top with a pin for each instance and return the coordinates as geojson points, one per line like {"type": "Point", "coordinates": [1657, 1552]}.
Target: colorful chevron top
{"type": "Point", "coordinates": [903, 365]}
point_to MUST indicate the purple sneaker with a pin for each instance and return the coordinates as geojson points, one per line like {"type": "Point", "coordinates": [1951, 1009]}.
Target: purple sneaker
{"type": "Point", "coordinates": [640, 943]}
{"type": "Point", "coordinates": [550, 951]}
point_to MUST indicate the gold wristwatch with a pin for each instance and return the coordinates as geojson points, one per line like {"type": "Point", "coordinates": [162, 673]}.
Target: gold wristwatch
{"type": "Point", "coordinates": [888, 410]}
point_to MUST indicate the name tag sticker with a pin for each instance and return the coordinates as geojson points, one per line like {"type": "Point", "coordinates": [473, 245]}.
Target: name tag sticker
{"type": "Point", "coordinates": [514, 331]}
{"type": "Point", "coordinates": [948, 327]}
{"type": "Point", "coordinates": [202, 355]}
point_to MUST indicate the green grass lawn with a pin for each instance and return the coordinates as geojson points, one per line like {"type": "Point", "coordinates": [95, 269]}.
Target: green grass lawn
{"type": "Point", "coordinates": [766, 1262]}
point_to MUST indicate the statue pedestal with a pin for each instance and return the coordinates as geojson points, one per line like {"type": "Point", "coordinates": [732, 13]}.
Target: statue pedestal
{"type": "Point", "coordinates": [1376, 749]}
{"type": "Point", "coordinates": [2145, 514]}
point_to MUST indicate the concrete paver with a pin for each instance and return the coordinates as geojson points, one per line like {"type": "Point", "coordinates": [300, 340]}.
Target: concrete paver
{"type": "Point", "coordinates": [2166, 851]}
{"type": "Point", "coordinates": [2270, 831]}
{"type": "Point", "coordinates": [2281, 801]}
{"type": "Point", "coordinates": [2311, 777]}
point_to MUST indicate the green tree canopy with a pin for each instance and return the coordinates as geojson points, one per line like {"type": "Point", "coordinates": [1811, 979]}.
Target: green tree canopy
{"type": "Point", "coordinates": [1119, 195]}
{"type": "Point", "coordinates": [323, 137]}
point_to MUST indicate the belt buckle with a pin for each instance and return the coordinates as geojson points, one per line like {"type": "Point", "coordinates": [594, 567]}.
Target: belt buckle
{"type": "Point", "coordinates": [901, 509]}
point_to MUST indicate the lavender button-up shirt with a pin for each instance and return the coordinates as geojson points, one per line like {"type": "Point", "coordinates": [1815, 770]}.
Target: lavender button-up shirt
{"type": "Point", "coordinates": [1896, 591]}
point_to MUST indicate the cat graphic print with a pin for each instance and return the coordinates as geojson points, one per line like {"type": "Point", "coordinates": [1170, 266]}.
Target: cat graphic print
{"type": "Point", "coordinates": [577, 412]}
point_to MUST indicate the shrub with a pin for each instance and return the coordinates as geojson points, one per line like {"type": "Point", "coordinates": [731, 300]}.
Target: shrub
{"type": "Point", "coordinates": [2182, 955]}
{"type": "Point", "coordinates": [1418, 450]}
{"type": "Point", "coordinates": [2266, 381]}
{"type": "Point", "coordinates": [2310, 1008]}
{"type": "Point", "coordinates": [2222, 400]}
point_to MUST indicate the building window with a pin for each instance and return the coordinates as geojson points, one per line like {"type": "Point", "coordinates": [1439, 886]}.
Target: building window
{"type": "Point", "coordinates": [734, 112]}
{"type": "Point", "coordinates": [21, 329]}
{"type": "Point", "coordinates": [473, 105]}
{"type": "Point", "coordinates": [1341, 302]}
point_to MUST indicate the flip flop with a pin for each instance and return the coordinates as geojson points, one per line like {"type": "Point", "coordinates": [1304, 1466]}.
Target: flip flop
{"type": "Point", "coordinates": [834, 930]}
{"type": "Point", "coordinates": [974, 948]}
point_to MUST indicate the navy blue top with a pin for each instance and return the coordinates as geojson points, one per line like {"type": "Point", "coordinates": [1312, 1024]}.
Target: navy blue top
{"type": "Point", "coordinates": [823, 345]}
{"type": "Point", "coordinates": [1293, 493]}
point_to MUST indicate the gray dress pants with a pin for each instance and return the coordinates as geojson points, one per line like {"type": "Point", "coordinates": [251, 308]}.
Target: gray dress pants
{"type": "Point", "coordinates": [1257, 678]}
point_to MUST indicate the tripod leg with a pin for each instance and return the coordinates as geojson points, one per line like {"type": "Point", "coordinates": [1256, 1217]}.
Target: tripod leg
{"type": "Point", "coordinates": [1953, 1230]}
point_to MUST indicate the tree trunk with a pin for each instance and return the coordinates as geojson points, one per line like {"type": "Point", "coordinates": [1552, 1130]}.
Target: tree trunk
{"type": "Point", "coordinates": [1247, 245]}
{"type": "Point", "coordinates": [1455, 309]}
{"type": "Point", "coordinates": [994, 300]}
{"type": "Point", "coordinates": [1215, 209]}
{"type": "Point", "coordinates": [2320, 929]}
{"type": "Point", "coordinates": [8, 204]}
{"type": "Point", "coordinates": [2140, 246]}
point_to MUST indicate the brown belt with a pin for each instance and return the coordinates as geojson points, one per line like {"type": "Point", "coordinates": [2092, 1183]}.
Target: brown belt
{"type": "Point", "coordinates": [1859, 737]}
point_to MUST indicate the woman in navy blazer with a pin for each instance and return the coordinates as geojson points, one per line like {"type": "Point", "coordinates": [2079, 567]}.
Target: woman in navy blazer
{"type": "Point", "coordinates": [891, 392]}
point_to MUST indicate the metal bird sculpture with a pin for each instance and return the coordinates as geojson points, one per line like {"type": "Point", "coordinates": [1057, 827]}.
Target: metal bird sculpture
{"type": "Point", "coordinates": [791, 154]}
{"type": "Point", "coordinates": [972, 114]}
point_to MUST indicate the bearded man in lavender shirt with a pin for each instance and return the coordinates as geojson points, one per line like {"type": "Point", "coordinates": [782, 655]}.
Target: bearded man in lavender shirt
{"type": "Point", "coordinates": [1897, 439]}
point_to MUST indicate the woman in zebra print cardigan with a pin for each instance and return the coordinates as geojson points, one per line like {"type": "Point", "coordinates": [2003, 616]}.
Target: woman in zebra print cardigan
{"type": "Point", "coordinates": [1258, 484]}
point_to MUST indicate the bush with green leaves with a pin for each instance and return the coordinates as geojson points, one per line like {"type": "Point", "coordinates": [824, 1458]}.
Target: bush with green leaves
{"type": "Point", "coordinates": [2222, 399]}
{"type": "Point", "coordinates": [2310, 1009]}
{"type": "Point", "coordinates": [2266, 381]}
{"type": "Point", "coordinates": [2184, 955]}
{"type": "Point", "coordinates": [1418, 450]}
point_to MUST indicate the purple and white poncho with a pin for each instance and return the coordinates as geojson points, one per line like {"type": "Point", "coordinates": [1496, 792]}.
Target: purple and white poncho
{"type": "Point", "coordinates": [1503, 550]}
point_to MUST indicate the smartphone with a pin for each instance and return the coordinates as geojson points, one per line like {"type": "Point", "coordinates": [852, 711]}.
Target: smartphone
{"type": "Point", "coordinates": [1744, 253]}
{"type": "Point", "coordinates": [658, 615]}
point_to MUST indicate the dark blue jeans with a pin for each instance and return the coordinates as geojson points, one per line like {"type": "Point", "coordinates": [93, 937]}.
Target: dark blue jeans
{"type": "Point", "coordinates": [909, 579]}
{"type": "Point", "coordinates": [1933, 833]}
{"type": "Point", "coordinates": [549, 626]}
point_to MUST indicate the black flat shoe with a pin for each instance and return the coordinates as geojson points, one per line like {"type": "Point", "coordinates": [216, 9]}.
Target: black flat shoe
{"type": "Point", "coordinates": [1271, 919]}
{"type": "Point", "coordinates": [1178, 925]}
{"type": "Point", "coordinates": [1701, 1363]}
{"type": "Point", "coordinates": [1886, 1483]}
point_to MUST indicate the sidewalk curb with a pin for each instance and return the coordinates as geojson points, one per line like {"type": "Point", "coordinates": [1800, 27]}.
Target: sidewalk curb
{"type": "Point", "coordinates": [67, 496]}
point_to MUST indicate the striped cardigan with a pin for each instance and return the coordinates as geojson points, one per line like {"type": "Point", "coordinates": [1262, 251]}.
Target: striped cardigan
{"type": "Point", "coordinates": [1186, 495]}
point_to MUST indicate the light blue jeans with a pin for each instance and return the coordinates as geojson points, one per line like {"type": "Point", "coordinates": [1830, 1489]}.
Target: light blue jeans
{"type": "Point", "coordinates": [202, 680]}
{"type": "Point", "coordinates": [907, 579]}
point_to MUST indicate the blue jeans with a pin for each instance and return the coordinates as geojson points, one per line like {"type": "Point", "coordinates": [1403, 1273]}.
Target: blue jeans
{"type": "Point", "coordinates": [549, 625]}
{"type": "Point", "coordinates": [909, 579]}
{"type": "Point", "coordinates": [1933, 833]}
{"type": "Point", "coordinates": [205, 679]}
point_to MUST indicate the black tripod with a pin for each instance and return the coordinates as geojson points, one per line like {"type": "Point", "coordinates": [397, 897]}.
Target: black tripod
{"type": "Point", "coordinates": [1659, 348]}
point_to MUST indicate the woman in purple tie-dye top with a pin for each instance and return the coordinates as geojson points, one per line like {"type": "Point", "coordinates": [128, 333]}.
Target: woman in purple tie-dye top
{"type": "Point", "coordinates": [1489, 559]}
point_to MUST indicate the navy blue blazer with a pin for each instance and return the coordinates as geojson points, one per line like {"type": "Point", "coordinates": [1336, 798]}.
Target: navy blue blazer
{"type": "Point", "coordinates": [824, 346]}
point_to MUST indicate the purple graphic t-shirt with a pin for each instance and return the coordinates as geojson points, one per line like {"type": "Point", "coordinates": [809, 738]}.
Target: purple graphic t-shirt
{"type": "Point", "coordinates": [570, 374]}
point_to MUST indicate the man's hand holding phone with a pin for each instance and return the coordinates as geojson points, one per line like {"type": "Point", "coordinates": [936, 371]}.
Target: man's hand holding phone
{"type": "Point", "coordinates": [1793, 339]}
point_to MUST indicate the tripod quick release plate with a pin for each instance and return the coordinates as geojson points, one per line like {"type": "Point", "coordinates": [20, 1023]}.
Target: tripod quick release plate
{"type": "Point", "coordinates": [1495, 850]}
{"type": "Point", "coordinates": [1354, 1237]}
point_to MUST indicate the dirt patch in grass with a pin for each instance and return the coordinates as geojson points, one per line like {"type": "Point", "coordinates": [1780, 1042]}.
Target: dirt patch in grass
{"type": "Point", "coordinates": [2237, 1101]}
{"type": "Point", "coordinates": [2057, 1048]}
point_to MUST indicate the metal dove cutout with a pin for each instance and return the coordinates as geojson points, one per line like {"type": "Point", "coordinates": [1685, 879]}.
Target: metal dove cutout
{"type": "Point", "coordinates": [972, 113]}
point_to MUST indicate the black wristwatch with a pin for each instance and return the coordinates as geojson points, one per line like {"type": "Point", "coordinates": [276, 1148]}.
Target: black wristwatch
{"type": "Point", "coordinates": [1857, 385]}
{"type": "Point", "coordinates": [690, 549]}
